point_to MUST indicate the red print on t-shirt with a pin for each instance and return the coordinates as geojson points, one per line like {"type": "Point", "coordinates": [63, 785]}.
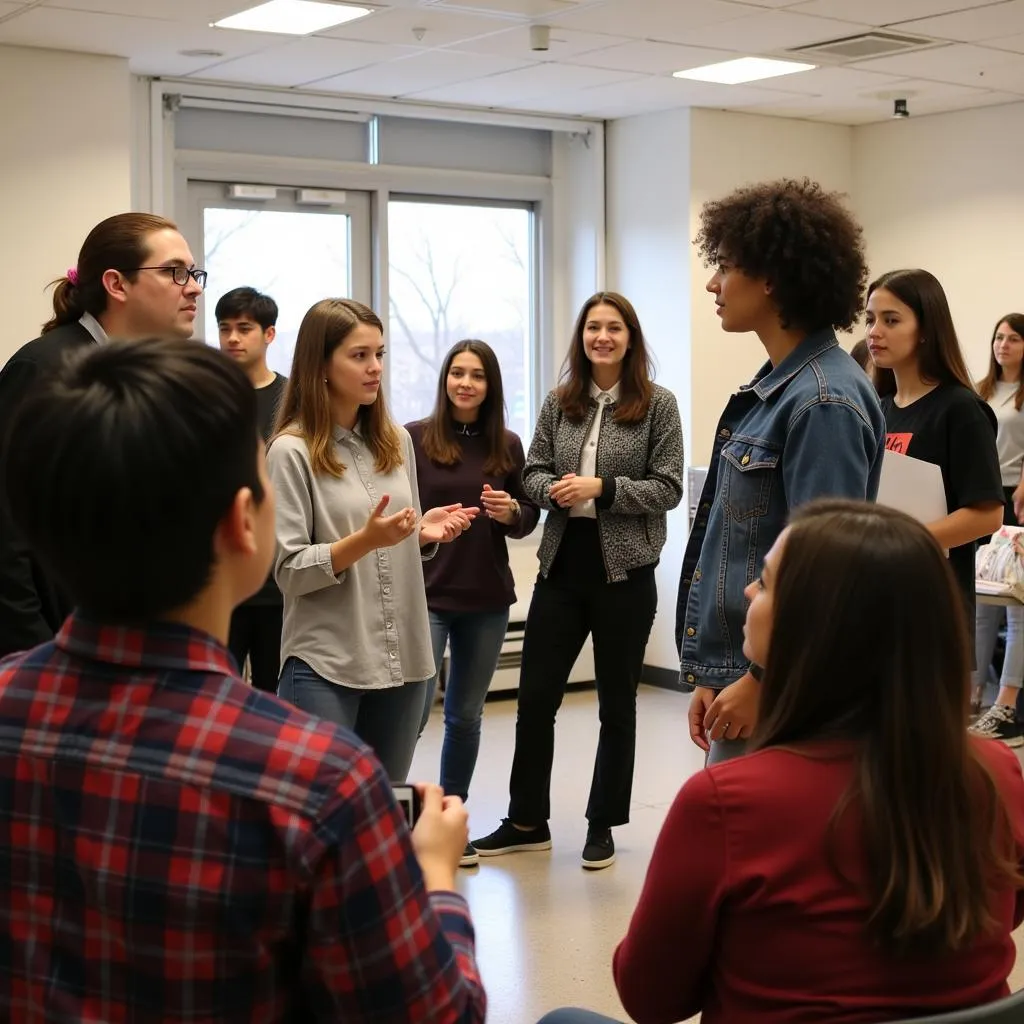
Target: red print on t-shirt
{"type": "Point", "coordinates": [899, 443]}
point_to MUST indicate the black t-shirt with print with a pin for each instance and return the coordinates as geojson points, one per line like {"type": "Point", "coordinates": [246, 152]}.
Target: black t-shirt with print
{"type": "Point", "coordinates": [954, 429]}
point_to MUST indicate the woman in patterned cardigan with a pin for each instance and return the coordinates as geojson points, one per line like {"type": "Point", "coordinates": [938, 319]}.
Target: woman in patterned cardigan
{"type": "Point", "coordinates": [606, 462]}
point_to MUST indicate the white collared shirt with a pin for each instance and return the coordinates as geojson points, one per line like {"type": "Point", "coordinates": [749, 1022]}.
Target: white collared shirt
{"type": "Point", "coordinates": [588, 457]}
{"type": "Point", "coordinates": [94, 327]}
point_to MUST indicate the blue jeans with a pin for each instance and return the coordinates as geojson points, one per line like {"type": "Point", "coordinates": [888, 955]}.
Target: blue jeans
{"type": "Point", "coordinates": [989, 619]}
{"type": "Point", "coordinates": [385, 720]}
{"type": "Point", "coordinates": [476, 639]}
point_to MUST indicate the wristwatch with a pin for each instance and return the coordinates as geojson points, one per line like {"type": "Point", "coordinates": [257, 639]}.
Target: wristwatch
{"type": "Point", "coordinates": [516, 510]}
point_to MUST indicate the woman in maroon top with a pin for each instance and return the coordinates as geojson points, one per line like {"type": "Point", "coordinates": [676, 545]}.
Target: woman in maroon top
{"type": "Point", "coordinates": [863, 864]}
{"type": "Point", "coordinates": [465, 452]}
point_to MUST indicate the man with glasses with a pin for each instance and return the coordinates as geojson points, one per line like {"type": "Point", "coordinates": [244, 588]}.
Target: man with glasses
{"type": "Point", "coordinates": [135, 278]}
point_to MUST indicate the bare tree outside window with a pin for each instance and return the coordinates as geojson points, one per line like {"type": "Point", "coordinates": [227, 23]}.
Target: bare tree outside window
{"type": "Point", "coordinates": [458, 271]}
{"type": "Point", "coordinates": [296, 258]}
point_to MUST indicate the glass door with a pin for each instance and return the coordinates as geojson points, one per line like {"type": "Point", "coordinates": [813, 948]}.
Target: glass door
{"type": "Point", "coordinates": [296, 245]}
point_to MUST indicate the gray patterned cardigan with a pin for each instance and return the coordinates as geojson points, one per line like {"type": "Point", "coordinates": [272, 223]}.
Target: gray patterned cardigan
{"type": "Point", "coordinates": [640, 465]}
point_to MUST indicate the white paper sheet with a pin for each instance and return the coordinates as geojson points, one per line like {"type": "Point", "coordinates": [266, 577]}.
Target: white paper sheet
{"type": "Point", "coordinates": [912, 486]}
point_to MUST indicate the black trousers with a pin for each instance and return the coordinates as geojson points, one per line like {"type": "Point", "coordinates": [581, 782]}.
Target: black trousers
{"type": "Point", "coordinates": [256, 635]}
{"type": "Point", "coordinates": [573, 601]}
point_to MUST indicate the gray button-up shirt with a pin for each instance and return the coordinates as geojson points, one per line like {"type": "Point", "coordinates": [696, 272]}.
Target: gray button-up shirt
{"type": "Point", "coordinates": [367, 627]}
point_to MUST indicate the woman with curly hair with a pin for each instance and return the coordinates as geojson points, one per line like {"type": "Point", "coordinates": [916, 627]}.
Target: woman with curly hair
{"type": "Point", "coordinates": [789, 267]}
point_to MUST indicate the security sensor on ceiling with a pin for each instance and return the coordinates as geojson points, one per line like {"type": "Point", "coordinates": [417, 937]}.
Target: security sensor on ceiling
{"type": "Point", "coordinates": [540, 37]}
{"type": "Point", "coordinates": [899, 108]}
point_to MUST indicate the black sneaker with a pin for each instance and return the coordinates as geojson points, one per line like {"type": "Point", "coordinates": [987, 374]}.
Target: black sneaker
{"type": "Point", "coordinates": [999, 723]}
{"type": "Point", "coordinates": [506, 838]}
{"type": "Point", "coordinates": [599, 851]}
{"type": "Point", "coordinates": [469, 858]}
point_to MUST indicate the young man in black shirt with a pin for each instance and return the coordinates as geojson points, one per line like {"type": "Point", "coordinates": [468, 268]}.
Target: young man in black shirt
{"type": "Point", "coordinates": [246, 326]}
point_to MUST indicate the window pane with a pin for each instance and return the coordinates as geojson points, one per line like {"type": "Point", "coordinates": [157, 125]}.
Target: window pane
{"type": "Point", "coordinates": [295, 258]}
{"type": "Point", "coordinates": [458, 271]}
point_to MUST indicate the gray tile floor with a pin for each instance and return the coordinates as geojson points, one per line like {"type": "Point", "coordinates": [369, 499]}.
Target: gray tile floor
{"type": "Point", "coordinates": [546, 929]}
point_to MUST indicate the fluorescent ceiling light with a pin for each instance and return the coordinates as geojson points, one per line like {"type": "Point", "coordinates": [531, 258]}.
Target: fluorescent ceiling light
{"type": "Point", "coordinates": [743, 69]}
{"type": "Point", "coordinates": [293, 17]}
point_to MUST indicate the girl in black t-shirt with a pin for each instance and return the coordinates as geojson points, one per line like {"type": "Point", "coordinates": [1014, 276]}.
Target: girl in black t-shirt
{"type": "Point", "coordinates": [933, 413]}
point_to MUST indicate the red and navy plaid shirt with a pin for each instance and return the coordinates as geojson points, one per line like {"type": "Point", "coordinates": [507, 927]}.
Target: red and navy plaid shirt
{"type": "Point", "coordinates": [176, 846]}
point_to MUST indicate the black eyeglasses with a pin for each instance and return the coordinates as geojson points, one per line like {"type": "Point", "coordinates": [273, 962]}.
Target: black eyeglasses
{"type": "Point", "coordinates": [180, 275]}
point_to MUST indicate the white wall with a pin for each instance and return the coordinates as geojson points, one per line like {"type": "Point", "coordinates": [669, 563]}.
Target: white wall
{"type": "Point", "coordinates": [648, 213]}
{"type": "Point", "coordinates": [946, 193]}
{"type": "Point", "coordinates": [728, 151]}
{"type": "Point", "coordinates": [66, 122]}
{"type": "Point", "coordinates": [577, 232]}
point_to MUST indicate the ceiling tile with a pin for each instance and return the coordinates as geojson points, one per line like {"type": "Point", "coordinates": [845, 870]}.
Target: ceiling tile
{"type": "Point", "coordinates": [964, 101]}
{"type": "Point", "coordinates": [524, 85]}
{"type": "Point", "coordinates": [649, 94]}
{"type": "Point", "coordinates": [801, 111]}
{"type": "Point", "coordinates": [430, 70]}
{"type": "Point", "coordinates": [1001, 19]}
{"type": "Point", "coordinates": [515, 42]}
{"type": "Point", "coordinates": [885, 12]}
{"type": "Point", "coordinates": [514, 8]}
{"type": "Point", "coordinates": [873, 115]}
{"type": "Point", "coordinates": [833, 82]}
{"type": "Point", "coordinates": [197, 13]}
{"type": "Point", "coordinates": [767, 31]}
{"type": "Point", "coordinates": [151, 44]}
{"type": "Point", "coordinates": [304, 60]}
{"type": "Point", "coordinates": [959, 63]}
{"type": "Point", "coordinates": [400, 26]}
{"type": "Point", "coordinates": [1013, 44]}
{"type": "Point", "coordinates": [664, 20]}
{"type": "Point", "coordinates": [764, 3]}
{"type": "Point", "coordinates": [918, 90]}
{"type": "Point", "coordinates": [651, 58]}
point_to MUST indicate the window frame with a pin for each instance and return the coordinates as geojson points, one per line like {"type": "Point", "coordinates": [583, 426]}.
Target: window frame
{"type": "Point", "coordinates": [383, 182]}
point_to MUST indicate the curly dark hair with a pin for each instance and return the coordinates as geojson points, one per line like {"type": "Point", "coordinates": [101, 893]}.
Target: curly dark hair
{"type": "Point", "coordinates": [799, 237]}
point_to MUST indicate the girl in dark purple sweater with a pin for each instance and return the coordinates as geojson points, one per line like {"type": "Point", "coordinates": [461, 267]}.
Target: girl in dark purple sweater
{"type": "Point", "coordinates": [464, 453]}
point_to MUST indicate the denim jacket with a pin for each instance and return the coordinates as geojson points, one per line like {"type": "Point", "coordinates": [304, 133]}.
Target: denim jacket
{"type": "Point", "coordinates": [809, 428]}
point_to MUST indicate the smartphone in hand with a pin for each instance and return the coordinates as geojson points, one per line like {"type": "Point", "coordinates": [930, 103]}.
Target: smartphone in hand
{"type": "Point", "coordinates": [408, 799]}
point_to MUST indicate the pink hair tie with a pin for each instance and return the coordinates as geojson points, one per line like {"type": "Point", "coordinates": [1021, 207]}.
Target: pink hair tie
{"type": "Point", "coordinates": [72, 276]}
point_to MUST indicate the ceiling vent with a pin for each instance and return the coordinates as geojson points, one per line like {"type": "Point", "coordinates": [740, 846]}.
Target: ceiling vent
{"type": "Point", "coordinates": [863, 47]}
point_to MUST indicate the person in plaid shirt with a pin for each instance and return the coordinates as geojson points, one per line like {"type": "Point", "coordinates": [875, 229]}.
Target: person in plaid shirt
{"type": "Point", "coordinates": [174, 845]}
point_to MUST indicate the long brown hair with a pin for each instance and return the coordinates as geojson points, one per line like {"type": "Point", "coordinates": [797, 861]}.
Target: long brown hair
{"type": "Point", "coordinates": [117, 243]}
{"type": "Point", "coordinates": [440, 442]}
{"type": "Point", "coordinates": [940, 360]}
{"type": "Point", "coordinates": [936, 833]}
{"type": "Point", "coordinates": [305, 406]}
{"type": "Point", "coordinates": [987, 385]}
{"type": "Point", "coordinates": [636, 388]}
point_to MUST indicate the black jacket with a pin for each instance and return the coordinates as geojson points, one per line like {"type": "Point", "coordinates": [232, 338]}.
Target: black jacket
{"type": "Point", "coordinates": [32, 604]}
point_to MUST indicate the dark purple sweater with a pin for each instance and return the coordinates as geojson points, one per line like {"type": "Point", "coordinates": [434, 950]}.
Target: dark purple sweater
{"type": "Point", "coordinates": [472, 573]}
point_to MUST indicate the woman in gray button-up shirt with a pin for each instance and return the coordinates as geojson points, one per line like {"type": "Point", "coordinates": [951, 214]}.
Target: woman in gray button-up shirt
{"type": "Point", "coordinates": [355, 646]}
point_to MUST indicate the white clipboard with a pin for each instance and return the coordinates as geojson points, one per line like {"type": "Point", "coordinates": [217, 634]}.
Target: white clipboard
{"type": "Point", "coordinates": [913, 487]}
